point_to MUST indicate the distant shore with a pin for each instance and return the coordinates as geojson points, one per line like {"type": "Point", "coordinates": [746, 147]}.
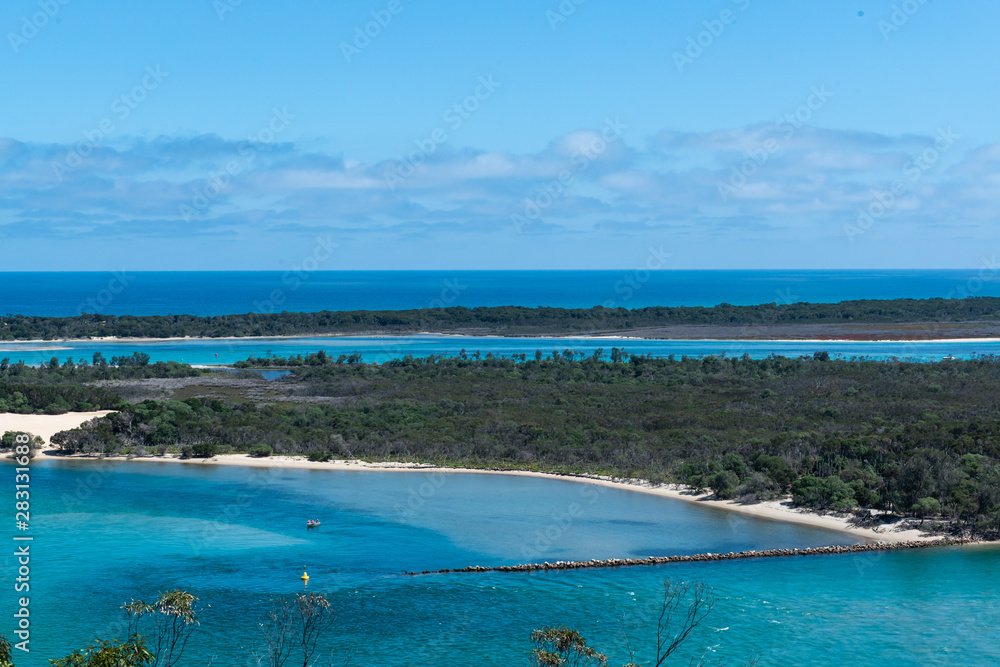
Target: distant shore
{"type": "Point", "coordinates": [739, 334]}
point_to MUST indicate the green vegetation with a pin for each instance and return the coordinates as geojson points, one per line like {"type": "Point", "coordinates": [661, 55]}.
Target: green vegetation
{"type": "Point", "coordinates": [168, 623]}
{"type": "Point", "coordinates": [836, 434]}
{"type": "Point", "coordinates": [7, 443]}
{"type": "Point", "coordinates": [5, 649]}
{"type": "Point", "coordinates": [109, 653]}
{"type": "Point", "coordinates": [133, 367]}
{"type": "Point", "coordinates": [556, 647]}
{"type": "Point", "coordinates": [504, 319]}
{"type": "Point", "coordinates": [54, 388]}
{"type": "Point", "coordinates": [54, 400]}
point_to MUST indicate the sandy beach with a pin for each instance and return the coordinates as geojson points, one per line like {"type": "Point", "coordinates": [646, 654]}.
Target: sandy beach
{"type": "Point", "coordinates": [47, 425]}
{"type": "Point", "coordinates": [774, 510]}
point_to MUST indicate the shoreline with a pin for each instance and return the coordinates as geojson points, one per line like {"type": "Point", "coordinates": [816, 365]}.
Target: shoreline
{"type": "Point", "coordinates": [775, 510]}
{"type": "Point", "coordinates": [574, 336]}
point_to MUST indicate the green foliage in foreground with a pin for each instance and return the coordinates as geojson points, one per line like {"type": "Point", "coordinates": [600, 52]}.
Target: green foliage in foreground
{"type": "Point", "coordinates": [303, 627]}
{"type": "Point", "coordinates": [835, 434]}
{"type": "Point", "coordinates": [502, 319]}
{"type": "Point", "coordinates": [5, 649]}
{"type": "Point", "coordinates": [556, 647]}
{"type": "Point", "coordinates": [158, 634]}
{"type": "Point", "coordinates": [109, 653]}
{"type": "Point", "coordinates": [168, 622]}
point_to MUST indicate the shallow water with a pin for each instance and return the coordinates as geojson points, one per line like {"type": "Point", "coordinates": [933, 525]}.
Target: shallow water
{"type": "Point", "coordinates": [236, 538]}
{"type": "Point", "coordinates": [383, 348]}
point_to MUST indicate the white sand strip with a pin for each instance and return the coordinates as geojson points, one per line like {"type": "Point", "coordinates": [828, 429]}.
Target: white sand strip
{"type": "Point", "coordinates": [45, 426]}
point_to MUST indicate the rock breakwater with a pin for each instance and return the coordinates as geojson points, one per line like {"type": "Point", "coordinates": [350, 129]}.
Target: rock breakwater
{"type": "Point", "coordinates": [699, 558]}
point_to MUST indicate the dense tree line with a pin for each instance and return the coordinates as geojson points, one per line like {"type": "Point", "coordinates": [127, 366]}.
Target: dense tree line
{"type": "Point", "coordinates": [69, 371]}
{"type": "Point", "coordinates": [909, 438]}
{"type": "Point", "coordinates": [54, 387]}
{"type": "Point", "coordinates": [54, 400]}
{"type": "Point", "coordinates": [505, 319]}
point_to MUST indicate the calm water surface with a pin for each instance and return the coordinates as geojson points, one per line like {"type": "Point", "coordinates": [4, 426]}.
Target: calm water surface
{"type": "Point", "coordinates": [236, 538]}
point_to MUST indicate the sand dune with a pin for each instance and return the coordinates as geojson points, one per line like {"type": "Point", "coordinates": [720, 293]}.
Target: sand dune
{"type": "Point", "coordinates": [45, 426]}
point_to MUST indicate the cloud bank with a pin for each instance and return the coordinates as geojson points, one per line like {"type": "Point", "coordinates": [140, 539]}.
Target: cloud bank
{"type": "Point", "coordinates": [761, 182]}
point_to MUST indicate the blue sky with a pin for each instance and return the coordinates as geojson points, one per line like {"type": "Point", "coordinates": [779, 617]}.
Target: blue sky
{"type": "Point", "coordinates": [229, 134]}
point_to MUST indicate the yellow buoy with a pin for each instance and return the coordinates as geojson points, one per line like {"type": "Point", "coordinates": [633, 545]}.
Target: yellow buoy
{"type": "Point", "coordinates": [305, 577]}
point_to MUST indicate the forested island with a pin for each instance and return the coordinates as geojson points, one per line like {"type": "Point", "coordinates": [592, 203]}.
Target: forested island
{"type": "Point", "coordinates": [849, 435]}
{"type": "Point", "coordinates": [859, 320]}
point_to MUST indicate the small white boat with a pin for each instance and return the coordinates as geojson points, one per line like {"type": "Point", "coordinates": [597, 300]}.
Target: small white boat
{"type": "Point", "coordinates": [312, 524]}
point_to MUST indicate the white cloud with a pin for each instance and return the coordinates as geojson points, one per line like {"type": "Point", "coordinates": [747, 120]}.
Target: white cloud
{"type": "Point", "coordinates": [815, 180]}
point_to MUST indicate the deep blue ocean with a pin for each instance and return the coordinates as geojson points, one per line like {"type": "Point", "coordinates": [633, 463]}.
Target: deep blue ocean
{"type": "Point", "coordinates": [223, 293]}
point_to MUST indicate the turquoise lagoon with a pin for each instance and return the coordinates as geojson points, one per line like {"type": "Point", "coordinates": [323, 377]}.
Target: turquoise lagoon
{"type": "Point", "coordinates": [235, 537]}
{"type": "Point", "coordinates": [383, 348]}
